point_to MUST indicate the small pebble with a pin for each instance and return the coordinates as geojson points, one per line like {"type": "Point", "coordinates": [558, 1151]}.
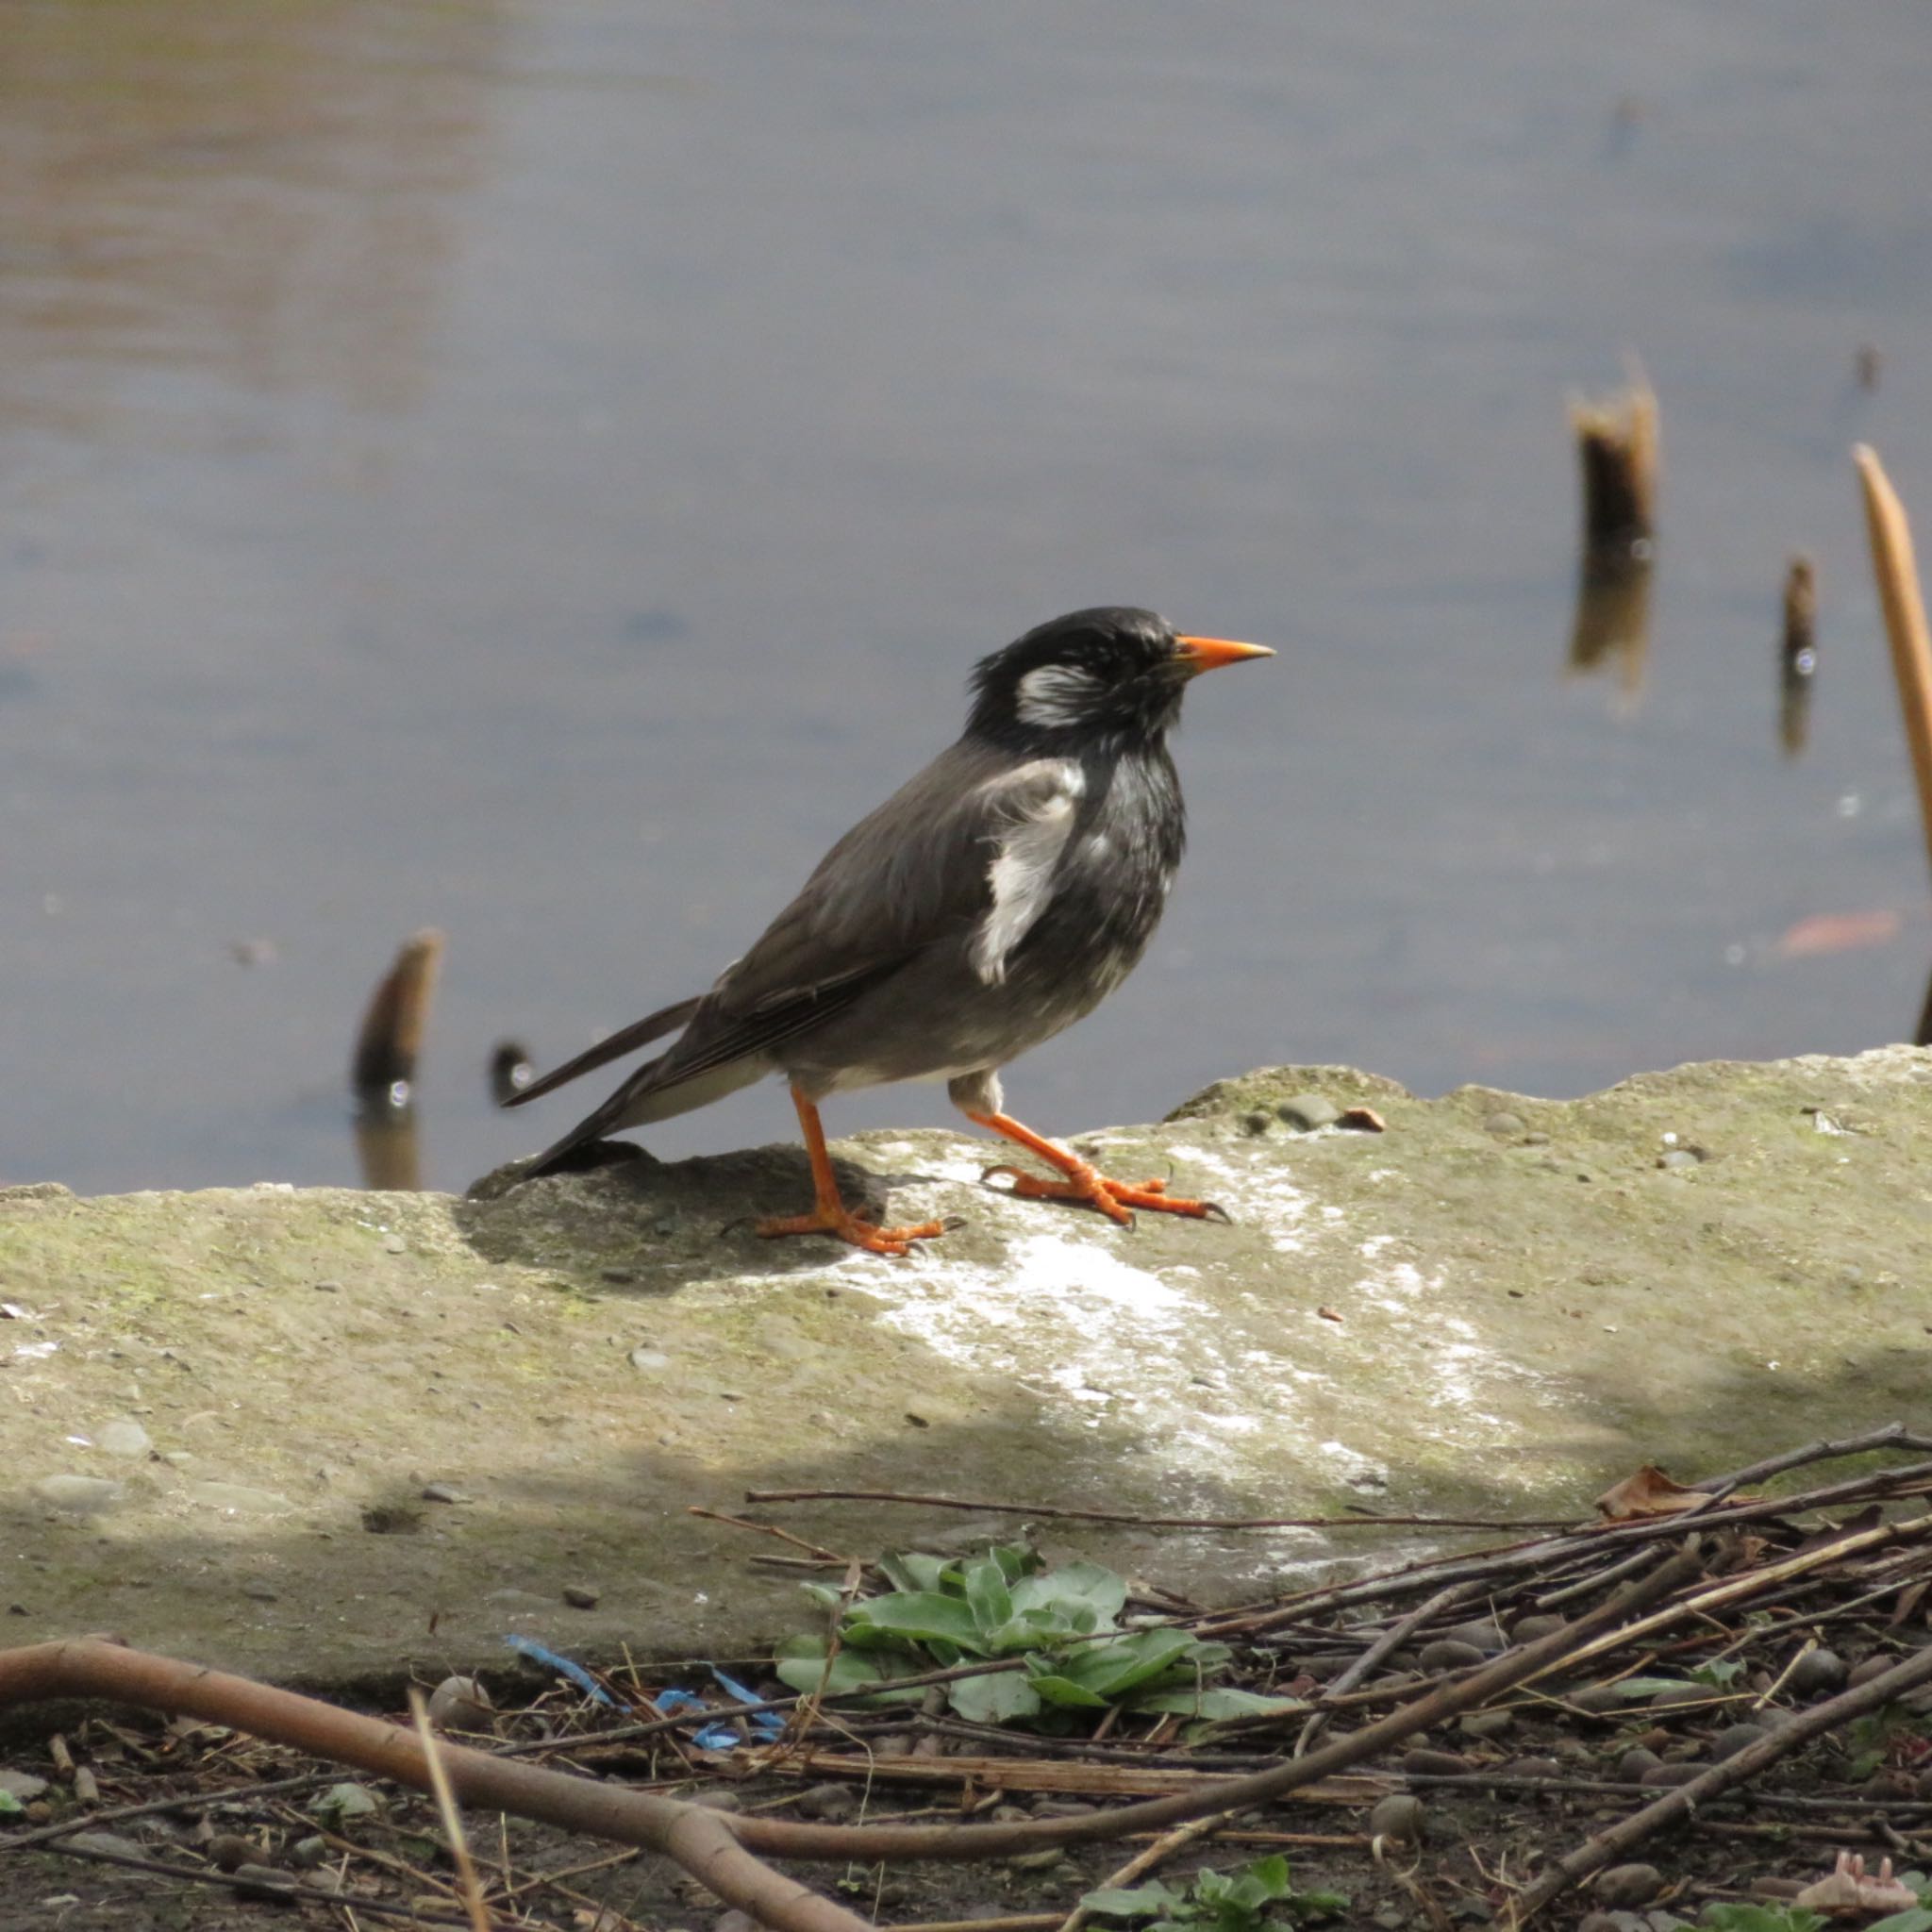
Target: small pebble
{"type": "Point", "coordinates": [460, 1704]}
{"type": "Point", "coordinates": [123, 1436]}
{"type": "Point", "coordinates": [1449, 1654]}
{"type": "Point", "coordinates": [226, 1851]}
{"type": "Point", "coordinates": [1486, 1723]}
{"type": "Point", "coordinates": [442, 1493]}
{"type": "Point", "coordinates": [1868, 1667]}
{"type": "Point", "coordinates": [328, 1288]}
{"type": "Point", "coordinates": [1532, 1629]}
{"type": "Point", "coordinates": [112, 1843]}
{"type": "Point", "coordinates": [1399, 1816]}
{"type": "Point", "coordinates": [1815, 1673]}
{"type": "Point", "coordinates": [1484, 1633]}
{"type": "Point", "coordinates": [1679, 1161]}
{"type": "Point", "coordinates": [1662, 1776]}
{"type": "Point", "coordinates": [1735, 1738]}
{"type": "Point", "coordinates": [84, 1494]}
{"type": "Point", "coordinates": [581, 1597]}
{"type": "Point", "coordinates": [1428, 1763]}
{"type": "Point", "coordinates": [829, 1804]}
{"type": "Point", "coordinates": [394, 1244]}
{"type": "Point", "coordinates": [306, 1854]}
{"type": "Point", "coordinates": [1674, 1694]}
{"type": "Point", "coordinates": [1636, 1764]}
{"type": "Point", "coordinates": [260, 1880]}
{"type": "Point", "coordinates": [258, 1590]}
{"type": "Point", "coordinates": [1362, 1120]}
{"type": "Point", "coordinates": [717, 1800]}
{"type": "Point", "coordinates": [1599, 1699]}
{"type": "Point", "coordinates": [1533, 1767]}
{"type": "Point", "coordinates": [1620, 1887]}
{"type": "Point", "coordinates": [734, 1921]}
{"type": "Point", "coordinates": [1305, 1112]}
{"type": "Point", "coordinates": [1505, 1125]}
{"type": "Point", "coordinates": [23, 1785]}
{"type": "Point", "coordinates": [651, 1361]}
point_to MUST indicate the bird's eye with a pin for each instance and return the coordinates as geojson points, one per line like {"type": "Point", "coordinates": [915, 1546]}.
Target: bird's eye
{"type": "Point", "coordinates": [1055, 695]}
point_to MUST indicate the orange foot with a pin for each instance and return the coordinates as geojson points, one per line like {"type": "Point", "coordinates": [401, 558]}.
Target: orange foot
{"type": "Point", "coordinates": [849, 1226]}
{"type": "Point", "coordinates": [1089, 1188]}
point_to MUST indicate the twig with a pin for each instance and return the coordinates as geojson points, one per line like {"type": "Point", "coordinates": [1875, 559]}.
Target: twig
{"type": "Point", "coordinates": [1601, 1847]}
{"type": "Point", "coordinates": [708, 1844]}
{"type": "Point", "coordinates": [982, 1506]}
{"type": "Point", "coordinates": [191, 1801]}
{"type": "Point", "coordinates": [1391, 1639]}
{"type": "Point", "coordinates": [468, 1889]}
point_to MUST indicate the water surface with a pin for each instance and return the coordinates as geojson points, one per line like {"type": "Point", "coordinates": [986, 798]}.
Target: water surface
{"type": "Point", "coordinates": [543, 470]}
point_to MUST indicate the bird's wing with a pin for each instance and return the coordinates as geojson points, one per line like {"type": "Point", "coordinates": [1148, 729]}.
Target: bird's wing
{"type": "Point", "coordinates": [612, 1047]}
{"type": "Point", "coordinates": [964, 853]}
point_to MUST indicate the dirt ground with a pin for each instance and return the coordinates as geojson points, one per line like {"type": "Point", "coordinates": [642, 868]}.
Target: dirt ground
{"type": "Point", "coordinates": [1806, 1613]}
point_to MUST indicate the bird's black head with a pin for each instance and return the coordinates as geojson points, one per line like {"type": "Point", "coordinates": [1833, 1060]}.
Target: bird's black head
{"type": "Point", "coordinates": [1108, 674]}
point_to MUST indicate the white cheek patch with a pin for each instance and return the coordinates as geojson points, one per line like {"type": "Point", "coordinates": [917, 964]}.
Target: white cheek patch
{"type": "Point", "coordinates": [1056, 696]}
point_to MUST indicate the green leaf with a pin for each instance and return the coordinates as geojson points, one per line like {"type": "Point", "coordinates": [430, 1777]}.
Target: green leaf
{"type": "Point", "coordinates": [920, 1614]}
{"type": "Point", "coordinates": [801, 1663]}
{"type": "Point", "coordinates": [985, 1596]}
{"type": "Point", "coordinates": [10, 1807]}
{"type": "Point", "coordinates": [1649, 1686]}
{"type": "Point", "coordinates": [1269, 1876]}
{"type": "Point", "coordinates": [1015, 1560]}
{"type": "Point", "coordinates": [1114, 1669]}
{"type": "Point", "coordinates": [1137, 1902]}
{"type": "Point", "coordinates": [1743, 1918]}
{"type": "Point", "coordinates": [1000, 1697]}
{"type": "Point", "coordinates": [1064, 1692]}
{"type": "Point", "coordinates": [913, 1572]}
{"type": "Point", "coordinates": [1088, 1596]}
{"type": "Point", "coordinates": [1216, 1702]}
{"type": "Point", "coordinates": [1913, 1919]}
{"type": "Point", "coordinates": [1719, 1675]}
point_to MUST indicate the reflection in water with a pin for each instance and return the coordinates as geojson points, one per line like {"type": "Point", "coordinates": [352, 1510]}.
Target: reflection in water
{"type": "Point", "coordinates": [386, 1149]}
{"type": "Point", "coordinates": [1797, 656]}
{"type": "Point", "coordinates": [254, 192]}
{"type": "Point", "coordinates": [1612, 622]}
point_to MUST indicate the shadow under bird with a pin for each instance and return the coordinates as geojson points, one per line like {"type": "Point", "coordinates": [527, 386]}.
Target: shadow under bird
{"type": "Point", "coordinates": [993, 900]}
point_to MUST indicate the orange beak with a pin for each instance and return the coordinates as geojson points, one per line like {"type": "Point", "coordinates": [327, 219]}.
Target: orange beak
{"type": "Point", "coordinates": [1210, 654]}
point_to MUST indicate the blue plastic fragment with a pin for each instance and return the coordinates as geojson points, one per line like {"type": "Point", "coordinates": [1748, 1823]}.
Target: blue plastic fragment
{"type": "Point", "coordinates": [529, 1647]}
{"type": "Point", "coordinates": [767, 1723]}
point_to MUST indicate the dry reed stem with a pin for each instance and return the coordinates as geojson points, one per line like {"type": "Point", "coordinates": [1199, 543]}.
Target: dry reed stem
{"type": "Point", "coordinates": [1616, 443]}
{"type": "Point", "coordinates": [1905, 618]}
{"type": "Point", "coordinates": [468, 1889]}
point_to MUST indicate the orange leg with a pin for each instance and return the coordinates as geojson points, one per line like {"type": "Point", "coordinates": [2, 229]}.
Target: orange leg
{"type": "Point", "coordinates": [1084, 1182]}
{"type": "Point", "coordinates": [830, 1215]}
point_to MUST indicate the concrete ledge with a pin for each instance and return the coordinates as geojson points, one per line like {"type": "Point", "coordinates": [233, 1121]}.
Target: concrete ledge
{"type": "Point", "coordinates": [221, 1409]}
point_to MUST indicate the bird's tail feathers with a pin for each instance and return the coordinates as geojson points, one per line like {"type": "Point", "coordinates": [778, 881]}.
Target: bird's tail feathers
{"type": "Point", "coordinates": [613, 1046]}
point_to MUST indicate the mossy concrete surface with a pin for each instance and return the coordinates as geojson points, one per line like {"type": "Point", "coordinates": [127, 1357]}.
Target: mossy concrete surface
{"type": "Point", "coordinates": [321, 1435]}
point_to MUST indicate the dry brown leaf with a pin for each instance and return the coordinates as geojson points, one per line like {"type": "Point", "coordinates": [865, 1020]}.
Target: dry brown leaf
{"type": "Point", "coordinates": [1648, 1492]}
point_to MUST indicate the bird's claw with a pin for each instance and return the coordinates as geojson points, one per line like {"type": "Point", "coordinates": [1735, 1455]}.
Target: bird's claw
{"type": "Point", "coordinates": [852, 1228]}
{"type": "Point", "coordinates": [1089, 1188]}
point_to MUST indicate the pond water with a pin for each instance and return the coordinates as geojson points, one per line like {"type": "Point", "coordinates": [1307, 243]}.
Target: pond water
{"type": "Point", "coordinates": [540, 469]}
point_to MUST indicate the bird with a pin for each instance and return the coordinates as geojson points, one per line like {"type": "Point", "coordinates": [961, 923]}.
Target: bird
{"type": "Point", "coordinates": [995, 898]}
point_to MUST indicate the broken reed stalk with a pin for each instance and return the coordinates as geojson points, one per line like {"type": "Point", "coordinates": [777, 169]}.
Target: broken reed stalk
{"type": "Point", "coordinates": [1681, 1801]}
{"type": "Point", "coordinates": [724, 1851]}
{"type": "Point", "coordinates": [384, 1067]}
{"type": "Point", "coordinates": [1616, 443]}
{"type": "Point", "coordinates": [1905, 616]}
